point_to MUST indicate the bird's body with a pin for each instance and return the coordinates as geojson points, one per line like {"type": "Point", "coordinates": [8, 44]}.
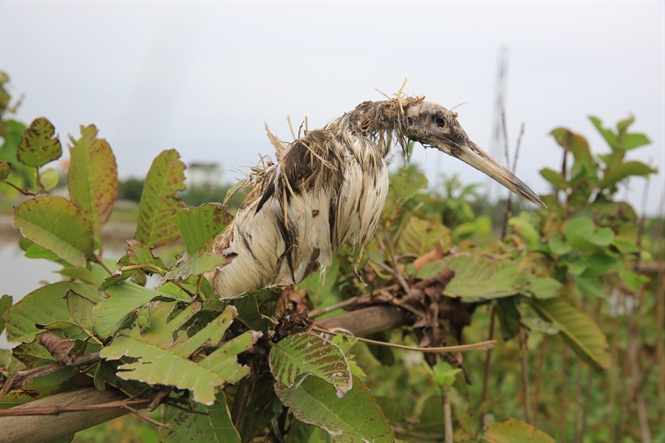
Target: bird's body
{"type": "Point", "coordinates": [329, 187]}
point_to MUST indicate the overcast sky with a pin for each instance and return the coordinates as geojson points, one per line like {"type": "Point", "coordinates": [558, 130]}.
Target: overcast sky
{"type": "Point", "coordinates": [204, 77]}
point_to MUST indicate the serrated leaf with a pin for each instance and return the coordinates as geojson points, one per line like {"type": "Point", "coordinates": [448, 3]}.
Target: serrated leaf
{"type": "Point", "coordinates": [511, 430]}
{"type": "Point", "coordinates": [199, 263]}
{"type": "Point", "coordinates": [310, 354]}
{"type": "Point", "coordinates": [354, 418]}
{"type": "Point", "coordinates": [93, 177]}
{"type": "Point", "coordinates": [198, 225]}
{"type": "Point", "coordinates": [42, 306]}
{"type": "Point", "coordinates": [39, 144]}
{"type": "Point", "coordinates": [160, 201]}
{"type": "Point", "coordinates": [625, 170]}
{"type": "Point", "coordinates": [420, 236]}
{"type": "Point", "coordinates": [481, 278]}
{"type": "Point", "coordinates": [121, 300]}
{"type": "Point", "coordinates": [203, 423]}
{"type": "Point", "coordinates": [578, 329]}
{"type": "Point", "coordinates": [58, 225]}
{"type": "Point", "coordinates": [162, 360]}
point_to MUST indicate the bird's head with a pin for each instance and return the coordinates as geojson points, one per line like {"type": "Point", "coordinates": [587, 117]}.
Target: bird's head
{"type": "Point", "coordinates": [435, 126]}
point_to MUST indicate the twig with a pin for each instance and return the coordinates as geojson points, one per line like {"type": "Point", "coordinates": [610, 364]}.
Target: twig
{"type": "Point", "coordinates": [447, 418]}
{"type": "Point", "coordinates": [525, 376]}
{"type": "Point", "coordinates": [21, 190]}
{"type": "Point", "coordinates": [146, 418]}
{"type": "Point", "coordinates": [10, 381]}
{"type": "Point", "coordinates": [100, 262]}
{"type": "Point", "coordinates": [396, 273]}
{"type": "Point", "coordinates": [481, 346]}
{"type": "Point", "coordinates": [488, 363]}
{"type": "Point", "coordinates": [57, 410]}
{"type": "Point", "coordinates": [24, 377]}
{"type": "Point", "coordinates": [341, 305]}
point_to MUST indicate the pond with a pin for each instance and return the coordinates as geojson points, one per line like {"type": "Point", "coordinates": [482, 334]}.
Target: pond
{"type": "Point", "coordinates": [20, 275]}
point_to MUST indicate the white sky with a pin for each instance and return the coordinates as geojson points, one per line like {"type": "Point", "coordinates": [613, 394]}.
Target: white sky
{"type": "Point", "coordinates": [204, 77]}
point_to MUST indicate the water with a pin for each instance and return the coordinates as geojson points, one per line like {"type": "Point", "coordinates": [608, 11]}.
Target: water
{"type": "Point", "coordinates": [20, 275]}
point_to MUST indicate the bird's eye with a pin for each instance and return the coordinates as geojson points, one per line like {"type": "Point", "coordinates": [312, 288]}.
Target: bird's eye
{"type": "Point", "coordinates": [440, 121]}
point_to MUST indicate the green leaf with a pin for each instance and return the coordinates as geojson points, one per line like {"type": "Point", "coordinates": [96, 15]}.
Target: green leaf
{"type": "Point", "coordinates": [200, 263]}
{"type": "Point", "coordinates": [511, 430]}
{"type": "Point", "coordinates": [39, 144]}
{"type": "Point", "coordinates": [5, 304]}
{"type": "Point", "coordinates": [526, 230]}
{"type": "Point", "coordinates": [558, 246]}
{"type": "Point", "coordinates": [49, 178]}
{"type": "Point", "coordinates": [93, 177]}
{"type": "Point", "coordinates": [607, 134]}
{"type": "Point", "coordinates": [420, 236]}
{"type": "Point", "coordinates": [632, 141]}
{"type": "Point", "coordinates": [544, 288]}
{"type": "Point", "coordinates": [203, 423]}
{"type": "Point", "coordinates": [625, 170]}
{"type": "Point", "coordinates": [579, 230]}
{"type": "Point", "coordinates": [444, 375]}
{"type": "Point", "coordinates": [160, 201]}
{"type": "Point", "coordinates": [578, 329]}
{"type": "Point", "coordinates": [555, 178]}
{"type": "Point", "coordinates": [58, 225]}
{"type": "Point", "coordinates": [310, 354]}
{"type": "Point", "coordinates": [198, 225]}
{"type": "Point", "coordinates": [480, 278]}
{"type": "Point", "coordinates": [122, 300]}
{"type": "Point", "coordinates": [42, 306]}
{"type": "Point", "coordinates": [509, 317]}
{"type": "Point", "coordinates": [161, 359]}
{"type": "Point", "coordinates": [356, 417]}
{"type": "Point", "coordinates": [232, 190]}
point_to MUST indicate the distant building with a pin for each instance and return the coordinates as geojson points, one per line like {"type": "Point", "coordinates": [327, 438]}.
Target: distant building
{"type": "Point", "coordinates": [204, 175]}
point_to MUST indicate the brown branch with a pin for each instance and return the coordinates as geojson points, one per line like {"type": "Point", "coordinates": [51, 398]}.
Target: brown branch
{"type": "Point", "coordinates": [24, 377]}
{"type": "Point", "coordinates": [44, 428]}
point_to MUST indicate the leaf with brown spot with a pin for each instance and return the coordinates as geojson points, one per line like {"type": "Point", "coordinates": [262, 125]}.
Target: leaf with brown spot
{"type": "Point", "coordinates": [39, 144]}
{"type": "Point", "coordinates": [160, 201]}
{"type": "Point", "coordinates": [58, 225]}
{"type": "Point", "coordinates": [310, 354]}
{"type": "Point", "coordinates": [93, 177]}
{"type": "Point", "coordinates": [198, 225]}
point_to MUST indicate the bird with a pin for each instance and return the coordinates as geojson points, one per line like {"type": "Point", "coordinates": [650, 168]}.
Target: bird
{"type": "Point", "coordinates": [329, 187]}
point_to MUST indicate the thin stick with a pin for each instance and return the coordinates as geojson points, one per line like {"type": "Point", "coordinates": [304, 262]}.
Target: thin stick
{"type": "Point", "coordinates": [487, 370]}
{"type": "Point", "coordinates": [341, 305]}
{"type": "Point", "coordinates": [57, 410]}
{"type": "Point", "coordinates": [525, 376]}
{"type": "Point", "coordinates": [448, 418]}
{"type": "Point", "coordinates": [481, 346]}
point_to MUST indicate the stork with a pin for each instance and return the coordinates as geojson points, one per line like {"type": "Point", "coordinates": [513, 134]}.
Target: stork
{"type": "Point", "coordinates": [329, 187]}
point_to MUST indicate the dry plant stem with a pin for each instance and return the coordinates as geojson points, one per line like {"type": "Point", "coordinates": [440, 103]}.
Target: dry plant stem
{"type": "Point", "coordinates": [539, 370]}
{"type": "Point", "coordinates": [643, 417]}
{"type": "Point", "coordinates": [564, 393]}
{"type": "Point", "coordinates": [482, 346]}
{"type": "Point", "coordinates": [660, 346]}
{"type": "Point", "coordinates": [341, 305]}
{"type": "Point", "coordinates": [525, 376]}
{"type": "Point", "coordinates": [101, 263]}
{"type": "Point", "coordinates": [488, 358]}
{"type": "Point", "coordinates": [447, 417]}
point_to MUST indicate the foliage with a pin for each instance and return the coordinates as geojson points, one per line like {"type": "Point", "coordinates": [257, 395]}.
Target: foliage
{"type": "Point", "coordinates": [238, 371]}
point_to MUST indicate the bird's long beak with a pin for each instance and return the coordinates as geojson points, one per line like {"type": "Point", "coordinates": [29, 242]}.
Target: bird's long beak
{"type": "Point", "coordinates": [472, 155]}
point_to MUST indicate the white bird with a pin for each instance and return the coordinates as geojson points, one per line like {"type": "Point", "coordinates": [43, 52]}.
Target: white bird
{"type": "Point", "coordinates": [329, 187]}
